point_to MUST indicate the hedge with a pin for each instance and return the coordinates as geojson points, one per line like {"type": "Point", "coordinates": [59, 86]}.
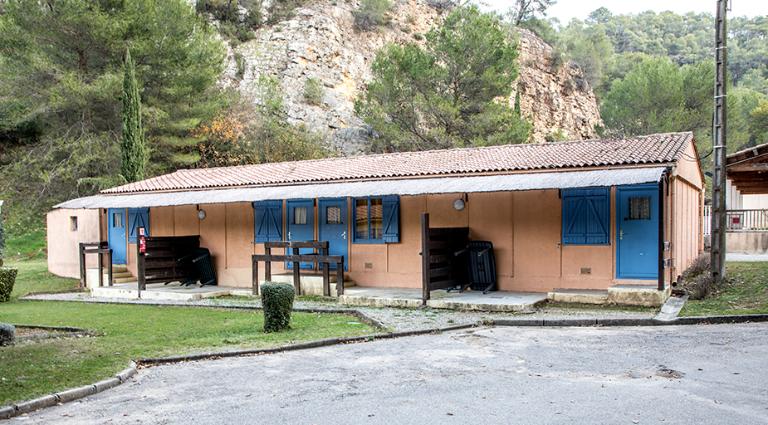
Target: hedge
{"type": "Point", "coordinates": [7, 280]}
{"type": "Point", "coordinates": [277, 302]}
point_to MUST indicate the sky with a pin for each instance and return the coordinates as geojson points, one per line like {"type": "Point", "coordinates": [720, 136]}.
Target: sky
{"type": "Point", "coordinates": [565, 10]}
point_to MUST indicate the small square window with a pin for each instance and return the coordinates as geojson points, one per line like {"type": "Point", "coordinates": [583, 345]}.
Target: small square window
{"type": "Point", "coordinates": [73, 223]}
{"type": "Point", "coordinates": [639, 208]}
{"type": "Point", "coordinates": [333, 215]}
{"type": "Point", "coordinates": [117, 220]}
{"type": "Point", "coordinates": [300, 215]}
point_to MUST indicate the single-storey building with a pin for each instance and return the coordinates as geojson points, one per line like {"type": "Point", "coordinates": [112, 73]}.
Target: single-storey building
{"type": "Point", "coordinates": [590, 214]}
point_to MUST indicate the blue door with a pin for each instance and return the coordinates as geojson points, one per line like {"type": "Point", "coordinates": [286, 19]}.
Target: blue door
{"type": "Point", "coordinates": [333, 226]}
{"type": "Point", "coordinates": [637, 232]}
{"type": "Point", "coordinates": [116, 234]}
{"type": "Point", "coordinates": [301, 225]}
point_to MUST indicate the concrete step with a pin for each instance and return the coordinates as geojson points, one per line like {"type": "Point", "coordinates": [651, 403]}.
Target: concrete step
{"type": "Point", "coordinates": [640, 295]}
{"type": "Point", "coordinates": [123, 279]}
{"type": "Point", "coordinates": [119, 268]}
{"type": "Point", "coordinates": [580, 296]}
{"type": "Point", "coordinates": [311, 284]}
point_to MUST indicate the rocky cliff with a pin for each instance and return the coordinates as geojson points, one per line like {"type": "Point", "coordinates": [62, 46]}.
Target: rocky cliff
{"type": "Point", "coordinates": [321, 42]}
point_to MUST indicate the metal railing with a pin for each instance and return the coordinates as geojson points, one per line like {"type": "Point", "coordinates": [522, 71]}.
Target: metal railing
{"type": "Point", "coordinates": [754, 220]}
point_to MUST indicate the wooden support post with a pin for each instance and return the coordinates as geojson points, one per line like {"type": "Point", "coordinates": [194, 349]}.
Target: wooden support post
{"type": "Point", "coordinates": [268, 265]}
{"type": "Point", "coordinates": [255, 276]}
{"type": "Point", "coordinates": [110, 279]}
{"type": "Point", "coordinates": [82, 265]}
{"type": "Point", "coordinates": [296, 273]}
{"type": "Point", "coordinates": [326, 274]}
{"type": "Point", "coordinates": [662, 223]}
{"type": "Point", "coordinates": [424, 258]}
{"type": "Point", "coordinates": [339, 277]}
{"type": "Point", "coordinates": [101, 268]}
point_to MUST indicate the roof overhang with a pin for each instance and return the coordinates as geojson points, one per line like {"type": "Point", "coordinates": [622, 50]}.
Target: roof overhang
{"type": "Point", "coordinates": [418, 186]}
{"type": "Point", "coordinates": [748, 169]}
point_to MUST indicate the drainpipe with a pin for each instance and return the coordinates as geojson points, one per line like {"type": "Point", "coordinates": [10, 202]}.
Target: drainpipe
{"type": "Point", "coordinates": [662, 222]}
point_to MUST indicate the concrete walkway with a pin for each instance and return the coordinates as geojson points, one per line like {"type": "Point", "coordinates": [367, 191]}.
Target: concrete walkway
{"type": "Point", "coordinates": [496, 301]}
{"type": "Point", "coordinates": [732, 256]}
{"type": "Point", "coordinates": [654, 375]}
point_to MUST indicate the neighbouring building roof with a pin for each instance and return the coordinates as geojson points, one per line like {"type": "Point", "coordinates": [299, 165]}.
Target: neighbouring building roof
{"type": "Point", "coordinates": [748, 169]}
{"type": "Point", "coordinates": [652, 149]}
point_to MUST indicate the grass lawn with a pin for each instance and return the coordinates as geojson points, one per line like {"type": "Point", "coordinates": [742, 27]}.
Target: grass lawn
{"type": "Point", "coordinates": [130, 331]}
{"type": "Point", "coordinates": [34, 277]}
{"type": "Point", "coordinates": [744, 292]}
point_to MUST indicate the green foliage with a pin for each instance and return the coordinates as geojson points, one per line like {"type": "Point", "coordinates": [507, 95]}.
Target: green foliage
{"type": "Point", "coordinates": [240, 64]}
{"type": "Point", "coordinates": [2, 235]}
{"type": "Point", "coordinates": [655, 96]}
{"type": "Point", "coordinates": [133, 147]}
{"type": "Point", "coordinates": [280, 10]}
{"type": "Point", "coordinates": [252, 131]}
{"type": "Point", "coordinates": [371, 13]}
{"type": "Point", "coordinates": [61, 76]}
{"type": "Point", "coordinates": [449, 92]}
{"type": "Point", "coordinates": [588, 46]}
{"type": "Point", "coordinates": [523, 10]}
{"type": "Point", "coordinates": [7, 280]}
{"type": "Point", "coordinates": [313, 91]}
{"type": "Point", "coordinates": [26, 243]}
{"type": "Point", "coordinates": [277, 302]}
{"type": "Point", "coordinates": [233, 23]}
{"type": "Point", "coordinates": [758, 124]}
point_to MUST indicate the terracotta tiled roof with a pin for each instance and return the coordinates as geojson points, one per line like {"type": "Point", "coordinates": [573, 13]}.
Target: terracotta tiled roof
{"type": "Point", "coordinates": [652, 149]}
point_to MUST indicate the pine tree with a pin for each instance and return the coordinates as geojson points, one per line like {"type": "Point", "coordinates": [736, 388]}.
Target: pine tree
{"type": "Point", "coordinates": [134, 147]}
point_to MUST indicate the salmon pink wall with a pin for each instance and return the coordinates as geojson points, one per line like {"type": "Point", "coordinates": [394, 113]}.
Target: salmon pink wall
{"type": "Point", "coordinates": [63, 242]}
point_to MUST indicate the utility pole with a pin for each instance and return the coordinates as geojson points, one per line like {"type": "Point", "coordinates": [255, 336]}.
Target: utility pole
{"type": "Point", "coordinates": [719, 143]}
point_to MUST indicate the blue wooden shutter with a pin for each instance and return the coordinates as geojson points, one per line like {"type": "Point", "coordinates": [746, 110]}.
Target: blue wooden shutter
{"type": "Point", "coordinates": [573, 222]}
{"type": "Point", "coordinates": [391, 218]}
{"type": "Point", "coordinates": [268, 221]}
{"type": "Point", "coordinates": [596, 209]}
{"type": "Point", "coordinates": [137, 218]}
{"type": "Point", "coordinates": [586, 216]}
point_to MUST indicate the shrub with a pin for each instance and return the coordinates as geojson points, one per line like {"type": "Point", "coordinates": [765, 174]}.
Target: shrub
{"type": "Point", "coordinates": [277, 302]}
{"type": "Point", "coordinates": [697, 280]}
{"type": "Point", "coordinates": [7, 280]}
{"type": "Point", "coordinates": [7, 334]}
{"type": "Point", "coordinates": [371, 13]}
{"type": "Point", "coordinates": [313, 91]}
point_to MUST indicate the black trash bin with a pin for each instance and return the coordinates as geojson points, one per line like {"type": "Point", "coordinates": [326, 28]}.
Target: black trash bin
{"type": "Point", "coordinates": [482, 266]}
{"type": "Point", "coordinates": [203, 263]}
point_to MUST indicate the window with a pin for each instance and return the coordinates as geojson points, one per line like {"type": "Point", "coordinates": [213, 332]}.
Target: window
{"type": "Point", "coordinates": [586, 216]}
{"type": "Point", "coordinates": [333, 215]}
{"type": "Point", "coordinates": [73, 223]}
{"type": "Point", "coordinates": [377, 219]}
{"type": "Point", "coordinates": [639, 208]}
{"type": "Point", "coordinates": [299, 215]}
{"type": "Point", "coordinates": [117, 220]}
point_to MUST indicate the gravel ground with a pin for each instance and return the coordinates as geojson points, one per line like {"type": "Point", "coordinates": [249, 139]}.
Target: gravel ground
{"type": "Point", "coordinates": [395, 319]}
{"type": "Point", "coordinates": [647, 375]}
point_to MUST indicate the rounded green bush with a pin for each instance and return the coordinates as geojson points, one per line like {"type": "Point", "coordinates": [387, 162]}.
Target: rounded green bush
{"type": "Point", "coordinates": [277, 302]}
{"type": "Point", "coordinates": [7, 280]}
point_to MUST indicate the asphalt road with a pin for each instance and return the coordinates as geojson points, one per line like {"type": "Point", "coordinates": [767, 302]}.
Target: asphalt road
{"type": "Point", "coordinates": [655, 375]}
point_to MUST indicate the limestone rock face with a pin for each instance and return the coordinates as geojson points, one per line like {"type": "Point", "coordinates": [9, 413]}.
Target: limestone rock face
{"type": "Point", "coordinates": [320, 41]}
{"type": "Point", "coordinates": [555, 97]}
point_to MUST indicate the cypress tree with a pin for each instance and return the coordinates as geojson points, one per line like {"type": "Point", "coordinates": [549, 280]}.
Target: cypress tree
{"type": "Point", "coordinates": [133, 147]}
